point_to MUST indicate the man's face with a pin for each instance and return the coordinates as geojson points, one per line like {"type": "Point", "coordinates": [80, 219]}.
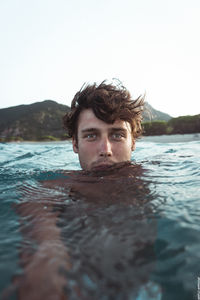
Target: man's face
{"type": "Point", "coordinates": [99, 144]}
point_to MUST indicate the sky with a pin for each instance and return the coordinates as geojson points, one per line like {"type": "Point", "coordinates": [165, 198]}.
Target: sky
{"type": "Point", "coordinates": [50, 48]}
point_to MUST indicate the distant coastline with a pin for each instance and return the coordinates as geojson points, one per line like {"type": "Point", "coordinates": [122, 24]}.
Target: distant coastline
{"type": "Point", "coordinates": [173, 138]}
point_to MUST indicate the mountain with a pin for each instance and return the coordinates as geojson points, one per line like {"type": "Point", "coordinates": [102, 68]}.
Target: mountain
{"type": "Point", "coordinates": [36, 121]}
{"type": "Point", "coordinates": [43, 121]}
{"type": "Point", "coordinates": [151, 114]}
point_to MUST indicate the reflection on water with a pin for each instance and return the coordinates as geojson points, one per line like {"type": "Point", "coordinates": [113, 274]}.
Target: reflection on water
{"type": "Point", "coordinates": [88, 236]}
{"type": "Point", "coordinates": [127, 233]}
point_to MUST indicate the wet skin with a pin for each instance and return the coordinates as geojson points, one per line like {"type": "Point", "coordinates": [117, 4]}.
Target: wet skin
{"type": "Point", "coordinates": [100, 144]}
{"type": "Point", "coordinates": [46, 264]}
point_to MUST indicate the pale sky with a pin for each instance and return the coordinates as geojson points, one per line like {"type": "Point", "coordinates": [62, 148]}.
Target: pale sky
{"type": "Point", "coordinates": [49, 48]}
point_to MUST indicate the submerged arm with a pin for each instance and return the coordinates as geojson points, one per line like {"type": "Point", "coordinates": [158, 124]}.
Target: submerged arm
{"type": "Point", "coordinates": [43, 256]}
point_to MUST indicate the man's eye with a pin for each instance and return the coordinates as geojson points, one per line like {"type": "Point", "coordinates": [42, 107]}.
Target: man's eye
{"type": "Point", "coordinates": [117, 136]}
{"type": "Point", "coordinates": [90, 136]}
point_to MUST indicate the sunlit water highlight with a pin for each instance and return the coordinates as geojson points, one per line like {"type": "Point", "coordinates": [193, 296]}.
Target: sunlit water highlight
{"type": "Point", "coordinates": [127, 237]}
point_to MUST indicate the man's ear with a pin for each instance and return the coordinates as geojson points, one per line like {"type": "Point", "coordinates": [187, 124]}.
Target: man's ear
{"type": "Point", "coordinates": [133, 145]}
{"type": "Point", "coordinates": [75, 144]}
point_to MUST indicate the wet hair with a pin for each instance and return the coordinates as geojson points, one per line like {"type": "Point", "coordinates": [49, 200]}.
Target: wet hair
{"type": "Point", "coordinates": [109, 102]}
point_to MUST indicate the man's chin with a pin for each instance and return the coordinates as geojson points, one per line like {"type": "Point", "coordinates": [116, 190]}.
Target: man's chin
{"type": "Point", "coordinates": [107, 166]}
{"type": "Point", "coordinates": [101, 167]}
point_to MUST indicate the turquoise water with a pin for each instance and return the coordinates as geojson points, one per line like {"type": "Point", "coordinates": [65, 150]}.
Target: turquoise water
{"type": "Point", "coordinates": [128, 237]}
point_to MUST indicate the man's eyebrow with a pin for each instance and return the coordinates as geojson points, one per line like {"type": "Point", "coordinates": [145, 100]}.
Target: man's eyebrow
{"type": "Point", "coordinates": [112, 129]}
{"type": "Point", "coordinates": [118, 129]}
{"type": "Point", "coordinates": [89, 130]}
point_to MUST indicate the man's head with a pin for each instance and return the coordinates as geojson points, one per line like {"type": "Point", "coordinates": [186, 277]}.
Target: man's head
{"type": "Point", "coordinates": [104, 122]}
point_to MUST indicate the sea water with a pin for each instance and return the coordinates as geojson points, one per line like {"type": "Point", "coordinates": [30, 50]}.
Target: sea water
{"type": "Point", "coordinates": [145, 248]}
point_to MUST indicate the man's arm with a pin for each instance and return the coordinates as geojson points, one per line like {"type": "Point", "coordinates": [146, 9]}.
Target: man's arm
{"type": "Point", "coordinates": [45, 264]}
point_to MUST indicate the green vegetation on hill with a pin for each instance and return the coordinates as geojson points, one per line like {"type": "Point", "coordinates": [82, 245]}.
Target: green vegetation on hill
{"type": "Point", "coordinates": [39, 121]}
{"type": "Point", "coordinates": [180, 125]}
{"type": "Point", "coordinates": [185, 124]}
{"type": "Point", "coordinates": [154, 128]}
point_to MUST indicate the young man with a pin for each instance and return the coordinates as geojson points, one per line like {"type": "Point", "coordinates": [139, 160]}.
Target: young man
{"type": "Point", "coordinates": [103, 123]}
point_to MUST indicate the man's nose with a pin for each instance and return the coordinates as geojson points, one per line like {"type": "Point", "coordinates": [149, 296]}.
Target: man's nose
{"type": "Point", "coordinates": [105, 147]}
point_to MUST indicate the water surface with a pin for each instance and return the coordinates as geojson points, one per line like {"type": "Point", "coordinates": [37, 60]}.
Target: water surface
{"type": "Point", "coordinates": [131, 233]}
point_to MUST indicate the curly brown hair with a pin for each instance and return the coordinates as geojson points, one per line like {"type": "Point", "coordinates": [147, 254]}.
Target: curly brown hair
{"type": "Point", "coordinates": [109, 102]}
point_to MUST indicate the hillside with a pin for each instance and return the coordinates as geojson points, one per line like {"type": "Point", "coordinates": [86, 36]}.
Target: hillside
{"type": "Point", "coordinates": [43, 121]}
{"type": "Point", "coordinates": [36, 121]}
{"type": "Point", "coordinates": [180, 125]}
{"type": "Point", "coordinates": [151, 114]}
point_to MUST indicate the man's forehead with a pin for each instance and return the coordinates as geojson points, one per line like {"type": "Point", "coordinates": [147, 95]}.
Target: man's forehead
{"type": "Point", "coordinates": [117, 126]}
{"type": "Point", "coordinates": [88, 120]}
